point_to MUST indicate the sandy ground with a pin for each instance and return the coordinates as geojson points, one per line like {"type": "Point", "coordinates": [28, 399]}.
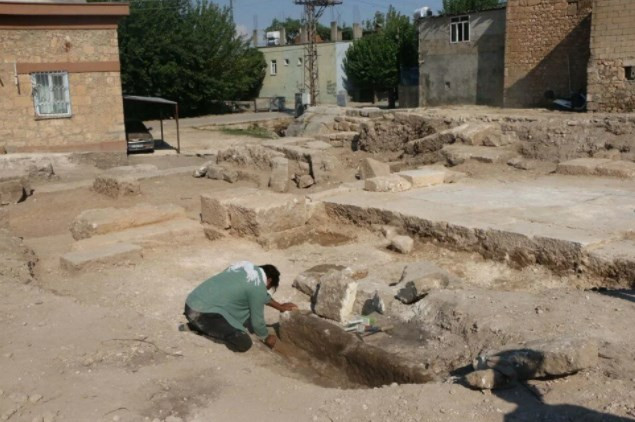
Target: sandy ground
{"type": "Point", "coordinates": [104, 346]}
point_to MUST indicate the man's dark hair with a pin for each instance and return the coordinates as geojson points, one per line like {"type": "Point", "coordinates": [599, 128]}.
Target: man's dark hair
{"type": "Point", "coordinates": [272, 273]}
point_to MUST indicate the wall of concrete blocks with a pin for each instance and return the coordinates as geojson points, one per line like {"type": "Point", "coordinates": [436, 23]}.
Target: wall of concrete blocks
{"type": "Point", "coordinates": [546, 49]}
{"type": "Point", "coordinates": [612, 56]}
{"type": "Point", "coordinates": [96, 123]}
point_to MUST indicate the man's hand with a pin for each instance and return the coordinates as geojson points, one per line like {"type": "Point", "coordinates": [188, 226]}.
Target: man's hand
{"type": "Point", "coordinates": [271, 340]}
{"type": "Point", "coordinates": [287, 307]}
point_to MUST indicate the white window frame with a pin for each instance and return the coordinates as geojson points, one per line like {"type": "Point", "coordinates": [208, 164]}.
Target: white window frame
{"type": "Point", "coordinates": [459, 27]}
{"type": "Point", "coordinates": [273, 70]}
{"type": "Point", "coordinates": [44, 100]}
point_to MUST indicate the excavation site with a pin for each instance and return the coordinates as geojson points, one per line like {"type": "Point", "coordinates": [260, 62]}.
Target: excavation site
{"type": "Point", "coordinates": [446, 264]}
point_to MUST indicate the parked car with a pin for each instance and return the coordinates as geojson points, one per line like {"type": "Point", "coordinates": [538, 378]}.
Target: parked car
{"type": "Point", "coordinates": [138, 136]}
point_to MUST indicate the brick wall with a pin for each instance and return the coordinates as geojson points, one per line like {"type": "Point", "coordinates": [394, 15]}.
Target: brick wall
{"type": "Point", "coordinates": [546, 49]}
{"type": "Point", "coordinates": [96, 123]}
{"type": "Point", "coordinates": [612, 50]}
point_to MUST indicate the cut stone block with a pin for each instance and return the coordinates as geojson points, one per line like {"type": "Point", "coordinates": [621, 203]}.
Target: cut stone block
{"type": "Point", "coordinates": [485, 134]}
{"type": "Point", "coordinates": [213, 233]}
{"type": "Point", "coordinates": [623, 169]}
{"type": "Point", "coordinates": [423, 177]}
{"type": "Point", "coordinates": [106, 220]}
{"type": "Point", "coordinates": [307, 281]}
{"type": "Point", "coordinates": [542, 358]}
{"type": "Point", "coordinates": [116, 186]}
{"type": "Point", "coordinates": [170, 232]}
{"type": "Point", "coordinates": [252, 212]}
{"type": "Point", "coordinates": [582, 166]}
{"type": "Point", "coordinates": [335, 297]}
{"type": "Point", "coordinates": [279, 180]}
{"type": "Point", "coordinates": [392, 183]}
{"type": "Point", "coordinates": [114, 254]}
{"type": "Point", "coordinates": [14, 190]}
{"type": "Point", "coordinates": [402, 244]}
{"type": "Point", "coordinates": [458, 153]}
{"type": "Point", "coordinates": [216, 172]}
{"type": "Point", "coordinates": [305, 181]}
{"type": "Point", "coordinates": [370, 168]}
{"type": "Point", "coordinates": [487, 379]}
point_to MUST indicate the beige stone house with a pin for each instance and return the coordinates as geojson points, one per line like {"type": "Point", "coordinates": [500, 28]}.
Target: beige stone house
{"type": "Point", "coordinates": [60, 85]}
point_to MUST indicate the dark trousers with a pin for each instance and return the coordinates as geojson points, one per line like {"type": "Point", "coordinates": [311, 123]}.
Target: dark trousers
{"type": "Point", "coordinates": [217, 327]}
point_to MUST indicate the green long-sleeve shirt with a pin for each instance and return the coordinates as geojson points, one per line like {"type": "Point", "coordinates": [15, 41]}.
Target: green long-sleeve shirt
{"type": "Point", "coordinates": [236, 298]}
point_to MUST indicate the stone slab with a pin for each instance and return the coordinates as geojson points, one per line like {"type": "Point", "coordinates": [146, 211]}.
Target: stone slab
{"type": "Point", "coordinates": [335, 297]}
{"type": "Point", "coordinates": [582, 166]}
{"type": "Point", "coordinates": [172, 232]}
{"type": "Point", "coordinates": [114, 254]}
{"type": "Point", "coordinates": [116, 186]}
{"type": "Point", "coordinates": [279, 179]}
{"type": "Point", "coordinates": [458, 153]}
{"type": "Point", "coordinates": [106, 220]}
{"type": "Point", "coordinates": [622, 169]}
{"type": "Point", "coordinates": [214, 206]}
{"type": "Point", "coordinates": [392, 183]}
{"type": "Point", "coordinates": [370, 168]}
{"type": "Point", "coordinates": [423, 177]}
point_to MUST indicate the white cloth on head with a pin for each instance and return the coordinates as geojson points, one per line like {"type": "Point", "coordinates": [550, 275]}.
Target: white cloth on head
{"type": "Point", "coordinates": [250, 270]}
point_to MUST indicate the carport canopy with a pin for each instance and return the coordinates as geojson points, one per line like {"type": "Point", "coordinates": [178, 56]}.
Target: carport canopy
{"type": "Point", "coordinates": [162, 101]}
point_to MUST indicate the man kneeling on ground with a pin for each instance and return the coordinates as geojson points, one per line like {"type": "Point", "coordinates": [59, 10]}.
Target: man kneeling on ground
{"type": "Point", "coordinates": [222, 305]}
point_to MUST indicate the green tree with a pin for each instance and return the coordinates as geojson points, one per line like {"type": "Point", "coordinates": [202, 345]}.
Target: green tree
{"type": "Point", "coordinates": [375, 61]}
{"type": "Point", "coordinates": [188, 52]}
{"type": "Point", "coordinates": [454, 7]}
{"type": "Point", "coordinates": [292, 28]}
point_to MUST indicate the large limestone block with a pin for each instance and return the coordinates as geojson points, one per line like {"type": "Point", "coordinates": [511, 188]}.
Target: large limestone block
{"type": "Point", "coordinates": [370, 168]}
{"type": "Point", "coordinates": [253, 212]}
{"type": "Point", "coordinates": [424, 176]}
{"type": "Point", "coordinates": [279, 179]}
{"type": "Point", "coordinates": [459, 153]}
{"type": "Point", "coordinates": [106, 220]}
{"type": "Point", "coordinates": [308, 281]}
{"type": "Point", "coordinates": [14, 190]}
{"type": "Point", "coordinates": [335, 297]}
{"type": "Point", "coordinates": [582, 166]}
{"type": "Point", "coordinates": [392, 183]}
{"type": "Point", "coordinates": [116, 186]}
{"type": "Point", "coordinates": [541, 358]}
{"type": "Point", "coordinates": [113, 254]}
{"type": "Point", "coordinates": [485, 134]}
{"type": "Point", "coordinates": [623, 169]}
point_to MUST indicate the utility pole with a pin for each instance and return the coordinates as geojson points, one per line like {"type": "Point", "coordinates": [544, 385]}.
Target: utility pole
{"type": "Point", "coordinates": [313, 10]}
{"type": "Point", "coordinates": [231, 9]}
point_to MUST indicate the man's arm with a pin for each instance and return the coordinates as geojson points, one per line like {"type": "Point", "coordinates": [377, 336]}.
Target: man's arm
{"type": "Point", "coordinates": [257, 317]}
{"type": "Point", "coordinates": [282, 307]}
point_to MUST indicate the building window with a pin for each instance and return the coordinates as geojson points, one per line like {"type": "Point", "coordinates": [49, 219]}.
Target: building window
{"type": "Point", "coordinates": [630, 73]}
{"type": "Point", "coordinates": [460, 29]}
{"type": "Point", "coordinates": [286, 62]}
{"type": "Point", "coordinates": [300, 61]}
{"type": "Point", "coordinates": [51, 95]}
{"type": "Point", "coordinates": [274, 67]}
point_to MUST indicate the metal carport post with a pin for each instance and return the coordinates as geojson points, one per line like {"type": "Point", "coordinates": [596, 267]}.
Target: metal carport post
{"type": "Point", "coordinates": [158, 100]}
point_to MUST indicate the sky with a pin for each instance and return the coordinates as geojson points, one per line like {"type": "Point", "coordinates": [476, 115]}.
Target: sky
{"type": "Point", "coordinates": [251, 13]}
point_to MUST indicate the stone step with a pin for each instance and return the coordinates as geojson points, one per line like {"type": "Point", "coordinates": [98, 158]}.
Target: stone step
{"type": "Point", "coordinates": [598, 167]}
{"type": "Point", "coordinates": [458, 153]}
{"type": "Point", "coordinates": [106, 220]}
{"type": "Point", "coordinates": [107, 255]}
{"type": "Point", "coordinates": [171, 232]}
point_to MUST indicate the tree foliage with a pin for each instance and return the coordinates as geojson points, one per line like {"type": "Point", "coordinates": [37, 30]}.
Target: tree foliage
{"type": "Point", "coordinates": [454, 7]}
{"type": "Point", "coordinates": [292, 28]}
{"type": "Point", "coordinates": [188, 52]}
{"type": "Point", "coordinates": [374, 62]}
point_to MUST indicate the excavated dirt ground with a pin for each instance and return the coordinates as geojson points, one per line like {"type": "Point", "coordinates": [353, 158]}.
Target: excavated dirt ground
{"type": "Point", "coordinates": [104, 345]}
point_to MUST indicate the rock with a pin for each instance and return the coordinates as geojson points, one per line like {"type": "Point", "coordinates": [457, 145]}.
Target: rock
{"type": "Point", "coordinates": [611, 154]}
{"type": "Point", "coordinates": [335, 297]}
{"type": "Point", "coordinates": [305, 181]}
{"type": "Point", "coordinates": [487, 379]}
{"type": "Point", "coordinates": [483, 134]}
{"type": "Point", "coordinates": [202, 170]}
{"type": "Point", "coordinates": [212, 233]}
{"type": "Point", "coordinates": [14, 190]}
{"type": "Point", "coordinates": [389, 232]}
{"type": "Point", "coordinates": [214, 206]}
{"type": "Point", "coordinates": [402, 244]}
{"type": "Point", "coordinates": [459, 153]}
{"type": "Point", "coordinates": [116, 186]}
{"type": "Point", "coordinates": [582, 166]}
{"type": "Point", "coordinates": [540, 359]}
{"type": "Point", "coordinates": [321, 165]}
{"type": "Point", "coordinates": [370, 168]}
{"type": "Point", "coordinates": [114, 254]}
{"type": "Point", "coordinates": [418, 279]}
{"type": "Point", "coordinates": [424, 176]}
{"type": "Point", "coordinates": [17, 261]}
{"type": "Point", "coordinates": [106, 220]}
{"type": "Point", "coordinates": [41, 171]}
{"type": "Point", "coordinates": [622, 169]}
{"type": "Point", "coordinates": [392, 183]}
{"type": "Point", "coordinates": [521, 164]}
{"type": "Point", "coordinates": [279, 180]}
{"type": "Point", "coordinates": [373, 296]}
{"type": "Point", "coordinates": [216, 172]}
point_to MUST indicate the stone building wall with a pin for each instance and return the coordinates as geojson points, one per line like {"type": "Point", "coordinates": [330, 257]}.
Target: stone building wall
{"type": "Point", "coordinates": [612, 52]}
{"type": "Point", "coordinates": [96, 123]}
{"type": "Point", "coordinates": [546, 49]}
